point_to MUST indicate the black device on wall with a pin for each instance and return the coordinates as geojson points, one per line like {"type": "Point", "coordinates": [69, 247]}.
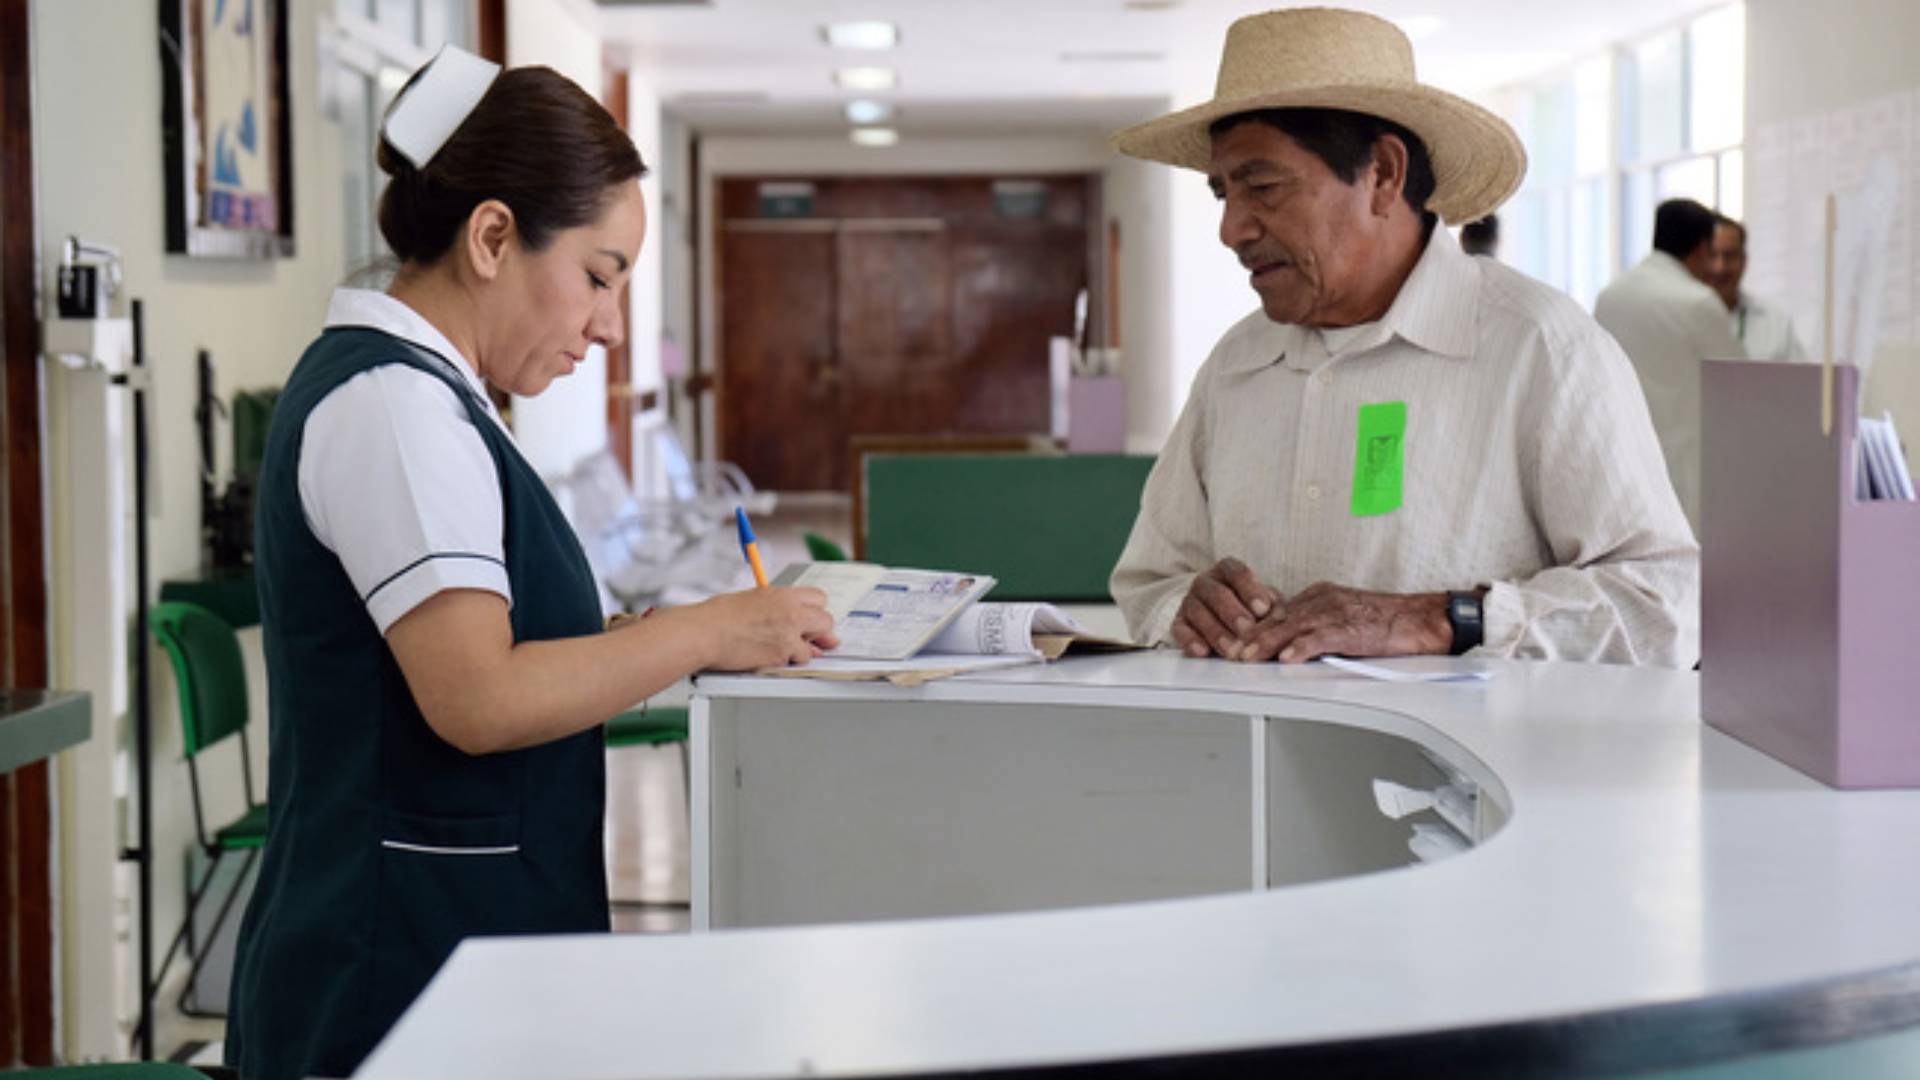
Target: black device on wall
{"type": "Point", "coordinates": [226, 517]}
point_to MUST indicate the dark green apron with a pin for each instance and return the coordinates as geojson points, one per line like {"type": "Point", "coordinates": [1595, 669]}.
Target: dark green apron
{"type": "Point", "coordinates": [385, 845]}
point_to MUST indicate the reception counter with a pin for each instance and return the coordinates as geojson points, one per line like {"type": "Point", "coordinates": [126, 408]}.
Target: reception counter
{"type": "Point", "coordinates": [1636, 890]}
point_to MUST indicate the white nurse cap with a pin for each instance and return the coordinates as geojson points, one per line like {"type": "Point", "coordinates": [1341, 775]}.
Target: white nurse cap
{"type": "Point", "coordinates": [428, 112]}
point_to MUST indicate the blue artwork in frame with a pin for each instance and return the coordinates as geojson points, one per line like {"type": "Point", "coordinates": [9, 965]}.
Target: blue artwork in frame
{"type": "Point", "coordinates": [228, 145]}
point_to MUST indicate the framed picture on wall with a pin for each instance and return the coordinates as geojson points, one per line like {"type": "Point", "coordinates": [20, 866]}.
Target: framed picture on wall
{"type": "Point", "coordinates": [227, 128]}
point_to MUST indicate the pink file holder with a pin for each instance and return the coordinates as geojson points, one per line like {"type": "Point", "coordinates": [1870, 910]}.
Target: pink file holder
{"type": "Point", "coordinates": [1810, 598]}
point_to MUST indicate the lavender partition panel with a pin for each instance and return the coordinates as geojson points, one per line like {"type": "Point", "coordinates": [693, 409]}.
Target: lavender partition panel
{"type": "Point", "coordinates": [1879, 706]}
{"type": "Point", "coordinates": [1097, 415]}
{"type": "Point", "coordinates": [1772, 488]}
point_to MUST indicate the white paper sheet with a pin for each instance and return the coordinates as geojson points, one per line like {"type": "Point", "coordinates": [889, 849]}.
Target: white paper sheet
{"type": "Point", "coordinates": [1412, 669]}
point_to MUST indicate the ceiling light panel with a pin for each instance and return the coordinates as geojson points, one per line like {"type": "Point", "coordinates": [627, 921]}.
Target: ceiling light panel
{"type": "Point", "coordinates": [865, 78]}
{"type": "Point", "coordinates": [867, 111]}
{"type": "Point", "coordinates": [873, 136]}
{"type": "Point", "coordinates": [868, 34]}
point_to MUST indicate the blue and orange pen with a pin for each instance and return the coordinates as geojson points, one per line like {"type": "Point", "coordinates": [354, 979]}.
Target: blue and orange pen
{"type": "Point", "coordinates": [749, 546]}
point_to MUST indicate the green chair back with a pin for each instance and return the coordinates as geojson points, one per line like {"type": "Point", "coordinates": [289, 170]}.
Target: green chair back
{"type": "Point", "coordinates": [252, 415]}
{"type": "Point", "coordinates": [206, 662]}
{"type": "Point", "coordinates": [822, 549]}
{"type": "Point", "coordinates": [130, 1070]}
{"type": "Point", "coordinates": [1050, 527]}
{"type": "Point", "coordinates": [648, 727]}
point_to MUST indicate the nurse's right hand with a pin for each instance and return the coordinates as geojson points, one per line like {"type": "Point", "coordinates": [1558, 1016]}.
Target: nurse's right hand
{"type": "Point", "coordinates": [766, 628]}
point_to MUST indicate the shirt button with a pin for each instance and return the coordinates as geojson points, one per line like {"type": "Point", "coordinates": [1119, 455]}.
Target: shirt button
{"type": "Point", "coordinates": [1313, 491]}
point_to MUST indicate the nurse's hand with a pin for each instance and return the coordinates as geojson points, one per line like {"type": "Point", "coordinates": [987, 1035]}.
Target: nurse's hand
{"type": "Point", "coordinates": [1222, 607]}
{"type": "Point", "coordinates": [765, 628]}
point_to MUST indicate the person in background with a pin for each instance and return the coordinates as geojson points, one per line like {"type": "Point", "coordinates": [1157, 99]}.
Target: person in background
{"type": "Point", "coordinates": [1481, 237]}
{"type": "Point", "coordinates": [1405, 450]}
{"type": "Point", "coordinates": [1668, 319]}
{"type": "Point", "coordinates": [438, 672]}
{"type": "Point", "coordinates": [1764, 328]}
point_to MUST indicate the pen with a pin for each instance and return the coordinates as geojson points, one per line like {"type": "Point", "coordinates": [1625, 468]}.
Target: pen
{"type": "Point", "coordinates": [749, 546]}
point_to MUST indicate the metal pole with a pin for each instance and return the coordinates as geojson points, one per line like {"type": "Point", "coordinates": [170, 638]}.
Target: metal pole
{"type": "Point", "coordinates": [142, 679]}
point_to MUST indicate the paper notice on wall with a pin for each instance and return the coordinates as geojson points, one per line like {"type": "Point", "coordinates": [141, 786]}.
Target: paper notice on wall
{"type": "Point", "coordinates": [1861, 242]}
{"type": "Point", "coordinates": [1790, 170]}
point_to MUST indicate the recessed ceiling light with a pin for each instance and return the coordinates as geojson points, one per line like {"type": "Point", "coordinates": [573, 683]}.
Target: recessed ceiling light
{"type": "Point", "coordinates": [875, 136]}
{"type": "Point", "coordinates": [866, 34]}
{"type": "Point", "coordinates": [864, 78]}
{"type": "Point", "coordinates": [1418, 27]}
{"type": "Point", "coordinates": [868, 111]}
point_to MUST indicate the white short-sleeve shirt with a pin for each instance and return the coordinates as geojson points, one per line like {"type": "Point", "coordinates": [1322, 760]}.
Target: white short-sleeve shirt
{"type": "Point", "coordinates": [395, 479]}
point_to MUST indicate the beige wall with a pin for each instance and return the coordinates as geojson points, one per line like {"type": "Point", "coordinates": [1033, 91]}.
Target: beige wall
{"type": "Point", "coordinates": [98, 156]}
{"type": "Point", "coordinates": [1804, 59]}
{"type": "Point", "coordinates": [1139, 197]}
{"type": "Point", "coordinates": [567, 422]}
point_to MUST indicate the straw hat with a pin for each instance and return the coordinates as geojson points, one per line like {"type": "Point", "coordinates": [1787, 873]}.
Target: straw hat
{"type": "Point", "coordinates": [1331, 59]}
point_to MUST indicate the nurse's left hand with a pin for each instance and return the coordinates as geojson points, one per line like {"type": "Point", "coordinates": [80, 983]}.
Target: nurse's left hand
{"type": "Point", "coordinates": [1332, 620]}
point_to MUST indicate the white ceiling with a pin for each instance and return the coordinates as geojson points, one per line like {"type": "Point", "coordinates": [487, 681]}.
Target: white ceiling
{"type": "Point", "coordinates": [995, 66]}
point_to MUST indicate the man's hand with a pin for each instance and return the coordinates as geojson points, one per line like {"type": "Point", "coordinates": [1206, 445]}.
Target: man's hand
{"type": "Point", "coordinates": [1326, 619]}
{"type": "Point", "coordinates": [1222, 609]}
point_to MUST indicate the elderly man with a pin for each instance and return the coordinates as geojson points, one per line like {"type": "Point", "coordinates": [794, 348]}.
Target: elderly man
{"type": "Point", "coordinates": [1665, 314]}
{"type": "Point", "coordinates": [1406, 450]}
{"type": "Point", "coordinates": [1765, 329]}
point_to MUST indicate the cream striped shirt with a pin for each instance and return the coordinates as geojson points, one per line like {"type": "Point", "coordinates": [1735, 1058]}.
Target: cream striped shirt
{"type": "Point", "coordinates": [1529, 465]}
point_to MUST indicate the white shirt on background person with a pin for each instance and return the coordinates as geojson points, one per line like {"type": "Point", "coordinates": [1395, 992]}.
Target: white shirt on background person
{"type": "Point", "coordinates": [1668, 321]}
{"type": "Point", "coordinates": [1765, 329]}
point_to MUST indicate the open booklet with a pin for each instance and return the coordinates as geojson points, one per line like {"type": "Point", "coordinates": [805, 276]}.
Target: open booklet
{"type": "Point", "coordinates": [909, 626]}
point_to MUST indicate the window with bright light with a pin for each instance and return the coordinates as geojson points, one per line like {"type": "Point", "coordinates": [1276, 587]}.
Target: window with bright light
{"type": "Point", "coordinates": [1685, 91]}
{"type": "Point", "coordinates": [1558, 227]}
{"type": "Point", "coordinates": [1612, 137]}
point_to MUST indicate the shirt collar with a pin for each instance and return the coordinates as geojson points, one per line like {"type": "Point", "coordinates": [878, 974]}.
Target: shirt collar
{"type": "Point", "coordinates": [376, 310]}
{"type": "Point", "coordinates": [1667, 266]}
{"type": "Point", "coordinates": [1435, 310]}
{"type": "Point", "coordinates": [1439, 302]}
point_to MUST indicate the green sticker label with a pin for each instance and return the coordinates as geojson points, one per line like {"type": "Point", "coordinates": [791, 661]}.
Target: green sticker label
{"type": "Point", "coordinates": [1377, 458]}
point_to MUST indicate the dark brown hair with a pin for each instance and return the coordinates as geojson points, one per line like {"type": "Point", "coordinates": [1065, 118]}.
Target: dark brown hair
{"type": "Point", "coordinates": [536, 142]}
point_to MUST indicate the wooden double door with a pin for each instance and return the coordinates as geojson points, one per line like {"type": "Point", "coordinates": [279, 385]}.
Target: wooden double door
{"type": "Point", "coordinates": [890, 307]}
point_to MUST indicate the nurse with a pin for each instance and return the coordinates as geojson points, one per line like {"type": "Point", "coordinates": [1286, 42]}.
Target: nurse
{"type": "Point", "coordinates": [437, 667]}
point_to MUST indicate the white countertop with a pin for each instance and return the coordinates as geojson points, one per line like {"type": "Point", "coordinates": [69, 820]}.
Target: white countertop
{"type": "Point", "coordinates": [1648, 861]}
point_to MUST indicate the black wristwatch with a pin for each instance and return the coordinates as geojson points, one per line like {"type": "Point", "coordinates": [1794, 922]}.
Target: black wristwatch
{"type": "Point", "coordinates": [1463, 614]}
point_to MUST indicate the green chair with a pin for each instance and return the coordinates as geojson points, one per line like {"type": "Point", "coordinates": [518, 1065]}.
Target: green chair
{"type": "Point", "coordinates": [128, 1070]}
{"type": "Point", "coordinates": [821, 549]}
{"type": "Point", "coordinates": [647, 726]}
{"type": "Point", "coordinates": [651, 726]}
{"type": "Point", "coordinates": [205, 653]}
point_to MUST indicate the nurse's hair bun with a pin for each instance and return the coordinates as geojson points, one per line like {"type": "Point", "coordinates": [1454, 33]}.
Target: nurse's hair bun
{"type": "Point", "coordinates": [536, 142]}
